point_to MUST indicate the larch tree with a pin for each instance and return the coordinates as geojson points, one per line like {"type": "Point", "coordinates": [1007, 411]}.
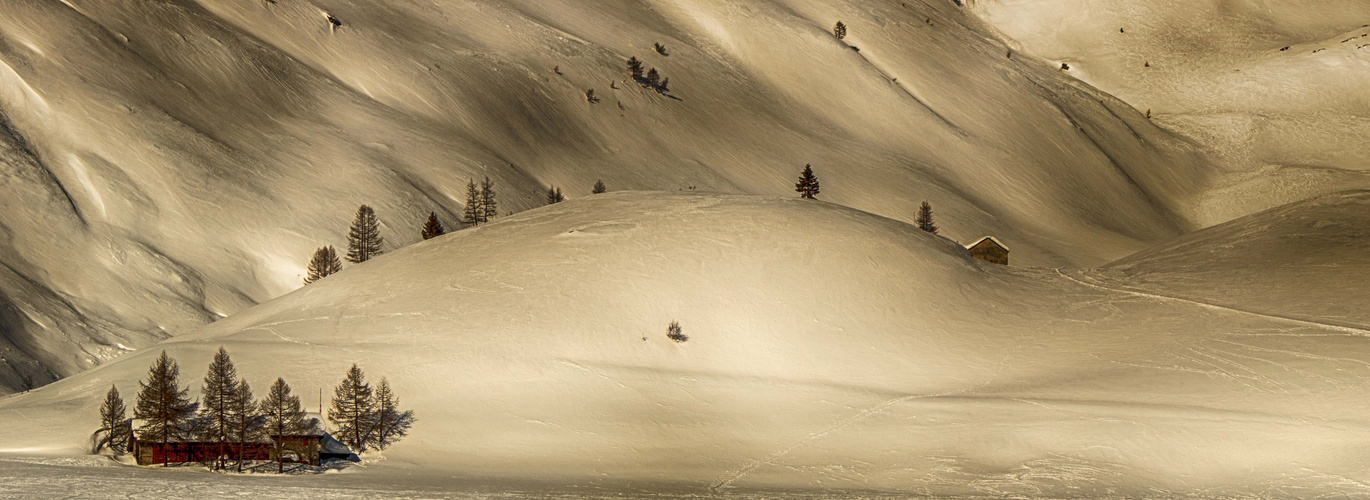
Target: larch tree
{"type": "Point", "coordinates": [924, 218]}
{"type": "Point", "coordinates": [216, 398]}
{"type": "Point", "coordinates": [353, 410]}
{"type": "Point", "coordinates": [473, 212]}
{"type": "Point", "coordinates": [807, 187]}
{"type": "Point", "coordinates": [163, 405]}
{"type": "Point", "coordinates": [433, 228]}
{"type": "Point", "coordinates": [599, 188]}
{"type": "Point", "coordinates": [284, 416]}
{"type": "Point", "coordinates": [113, 417]}
{"type": "Point", "coordinates": [324, 263]}
{"type": "Point", "coordinates": [634, 68]}
{"type": "Point", "coordinates": [488, 206]}
{"type": "Point", "coordinates": [391, 423]}
{"type": "Point", "coordinates": [364, 239]}
{"type": "Point", "coordinates": [245, 423]}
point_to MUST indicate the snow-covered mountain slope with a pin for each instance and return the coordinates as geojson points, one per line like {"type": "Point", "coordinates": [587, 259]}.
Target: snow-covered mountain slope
{"type": "Point", "coordinates": [835, 349]}
{"type": "Point", "coordinates": [1275, 89]}
{"type": "Point", "coordinates": [167, 163]}
{"type": "Point", "coordinates": [1305, 260]}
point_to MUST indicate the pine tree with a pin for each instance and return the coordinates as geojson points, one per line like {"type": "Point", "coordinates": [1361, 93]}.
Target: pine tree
{"type": "Point", "coordinates": [391, 423]}
{"type": "Point", "coordinates": [216, 396]}
{"type": "Point", "coordinates": [807, 187]}
{"type": "Point", "coordinates": [473, 212]}
{"type": "Point", "coordinates": [113, 416]}
{"type": "Point", "coordinates": [599, 188]}
{"type": "Point", "coordinates": [554, 195]}
{"type": "Point", "coordinates": [660, 49]}
{"type": "Point", "coordinates": [653, 78]}
{"type": "Point", "coordinates": [245, 422]}
{"type": "Point", "coordinates": [489, 208]}
{"type": "Point", "coordinates": [674, 332]}
{"type": "Point", "coordinates": [634, 67]}
{"type": "Point", "coordinates": [283, 416]}
{"type": "Point", "coordinates": [325, 262]}
{"type": "Point", "coordinates": [924, 219]}
{"type": "Point", "coordinates": [840, 30]}
{"type": "Point", "coordinates": [433, 228]}
{"type": "Point", "coordinates": [352, 411]}
{"type": "Point", "coordinates": [364, 239]}
{"type": "Point", "coordinates": [665, 85]}
{"type": "Point", "coordinates": [163, 405]}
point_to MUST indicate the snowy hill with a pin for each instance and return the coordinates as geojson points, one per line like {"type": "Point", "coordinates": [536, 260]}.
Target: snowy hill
{"type": "Point", "coordinates": [1305, 260]}
{"type": "Point", "coordinates": [170, 163]}
{"type": "Point", "coordinates": [1274, 89]}
{"type": "Point", "coordinates": [835, 350]}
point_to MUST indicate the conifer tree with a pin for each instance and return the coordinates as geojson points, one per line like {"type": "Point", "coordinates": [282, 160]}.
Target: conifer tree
{"type": "Point", "coordinates": [489, 207]}
{"type": "Point", "coordinates": [653, 78]}
{"type": "Point", "coordinates": [364, 239]}
{"type": "Point", "coordinates": [283, 416]}
{"type": "Point", "coordinates": [353, 410]}
{"type": "Point", "coordinates": [554, 195]}
{"type": "Point", "coordinates": [635, 67]}
{"type": "Point", "coordinates": [599, 188]}
{"type": "Point", "coordinates": [163, 405]}
{"type": "Point", "coordinates": [433, 228]}
{"type": "Point", "coordinates": [840, 30]}
{"type": "Point", "coordinates": [473, 212]}
{"type": "Point", "coordinates": [245, 423]}
{"type": "Point", "coordinates": [113, 416]}
{"type": "Point", "coordinates": [807, 187]}
{"type": "Point", "coordinates": [325, 262]}
{"type": "Point", "coordinates": [660, 49]}
{"type": "Point", "coordinates": [664, 86]}
{"type": "Point", "coordinates": [391, 422]}
{"type": "Point", "coordinates": [216, 398]}
{"type": "Point", "coordinates": [924, 219]}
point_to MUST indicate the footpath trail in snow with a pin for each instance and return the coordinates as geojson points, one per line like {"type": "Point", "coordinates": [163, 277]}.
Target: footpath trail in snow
{"type": "Point", "coordinates": [1092, 283]}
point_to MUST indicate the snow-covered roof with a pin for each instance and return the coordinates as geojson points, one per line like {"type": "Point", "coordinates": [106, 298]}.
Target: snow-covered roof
{"type": "Point", "coordinates": [990, 238]}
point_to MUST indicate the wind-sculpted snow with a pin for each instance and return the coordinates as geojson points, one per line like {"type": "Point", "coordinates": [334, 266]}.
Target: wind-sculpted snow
{"type": "Point", "coordinates": [836, 351]}
{"type": "Point", "coordinates": [169, 163]}
{"type": "Point", "coordinates": [1273, 89]}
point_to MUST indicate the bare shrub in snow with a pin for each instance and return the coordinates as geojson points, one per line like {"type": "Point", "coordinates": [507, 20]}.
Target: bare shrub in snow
{"type": "Point", "coordinates": [674, 332]}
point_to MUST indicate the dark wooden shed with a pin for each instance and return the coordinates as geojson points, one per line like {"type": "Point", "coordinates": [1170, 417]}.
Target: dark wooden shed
{"type": "Point", "coordinates": [989, 249]}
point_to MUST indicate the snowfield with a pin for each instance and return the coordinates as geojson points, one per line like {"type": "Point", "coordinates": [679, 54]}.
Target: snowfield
{"type": "Point", "coordinates": [166, 164]}
{"type": "Point", "coordinates": [833, 352]}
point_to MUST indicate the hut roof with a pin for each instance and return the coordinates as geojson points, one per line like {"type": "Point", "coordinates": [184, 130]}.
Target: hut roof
{"type": "Point", "coordinates": [988, 238]}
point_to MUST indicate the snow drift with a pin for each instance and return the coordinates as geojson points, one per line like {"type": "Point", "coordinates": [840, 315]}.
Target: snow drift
{"type": "Point", "coordinates": [834, 349]}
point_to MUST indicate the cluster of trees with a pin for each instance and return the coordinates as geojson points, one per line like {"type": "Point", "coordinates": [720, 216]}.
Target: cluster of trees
{"type": "Point", "coordinates": [481, 205]}
{"type": "Point", "coordinates": [652, 80]}
{"type": "Point", "coordinates": [228, 413]}
{"type": "Point", "coordinates": [364, 239]}
{"type": "Point", "coordinates": [365, 417]}
{"type": "Point", "coordinates": [807, 187]}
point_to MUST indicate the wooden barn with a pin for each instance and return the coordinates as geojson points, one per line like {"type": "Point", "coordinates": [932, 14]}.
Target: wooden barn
{"type": "Point", "coordinates": [295, 448]}
{"type": "Point", "coordinates": [989, 249]}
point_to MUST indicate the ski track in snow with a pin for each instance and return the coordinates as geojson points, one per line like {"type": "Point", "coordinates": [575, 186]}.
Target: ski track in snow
{"type": "Point", "coordinates": [1362, 332]}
